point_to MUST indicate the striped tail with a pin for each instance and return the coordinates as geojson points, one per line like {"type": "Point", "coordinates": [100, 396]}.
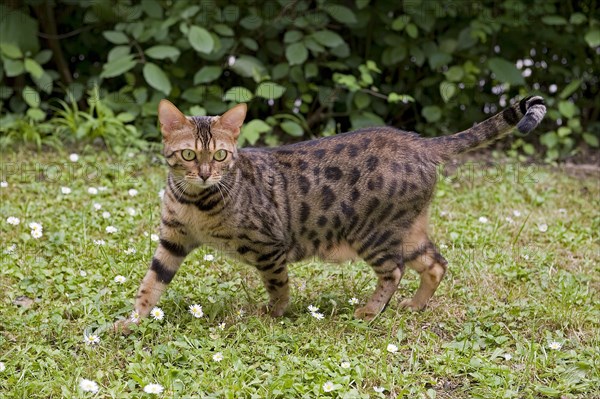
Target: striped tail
{"type": "Point", "coordinates": [525, 115]}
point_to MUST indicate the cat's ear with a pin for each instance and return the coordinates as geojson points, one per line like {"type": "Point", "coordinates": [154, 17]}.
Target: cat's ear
{"type": "Point", "coordinates": [171, 119]}
{"type": "Point", "coordinates": [233, 119]}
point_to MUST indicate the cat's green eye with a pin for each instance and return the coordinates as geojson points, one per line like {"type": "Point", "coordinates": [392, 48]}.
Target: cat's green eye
{"type": "Point", "coordinates": [188, 155]}
{"type": "Point", "coordinates": [220, 155]}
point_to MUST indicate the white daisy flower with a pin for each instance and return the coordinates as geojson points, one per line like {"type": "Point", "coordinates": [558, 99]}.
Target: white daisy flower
{"type": "Point", "coordinates": [543, 227]}
{"type": "Point", "coordinates": [3, 184]}
{"type": "Point", "coordinates": [217, 357]}
{"type": "Point", "coordinates": [111, 229]}
{"type": "Point", "coordinates": [97, 206]}
{"type": "Point", "coordinates": [317, 315]}
{"type": "Point", "coordinates": [379, 389]}
{"type": "Point", "coordinates": [2, 367]}
{"type": "Point", "coordinates": [154, 237]}
{"type": "Point", "coordinates": [554, 345]}
{"type": "Point", "coordinates": [36, 229]}
{"type": "Point", "coordinates": [99, 242]}
{"type": "Point", "coordinates": [516, 213]}
{"type": "Point", "coordinates": [209, 257]}
{"type": "Point", "coordinates": [88, 386]}
{"type": "Point", "coordinates": [135, 316]}
{"type": "Point", "coordinates": [120, 279]}
{"type": "Point", "coordinates": [132, 192]}
{"type": "Point", "coordinates": [312, 308]}
{"type": "Point", "coordinates": [13, 220]}
{"type": "Point", "coordinates": [130, 251]}
{"type": "Point", "coordinates": [392, 348]}
{"type": "Point", "coordinates": [221, 326]}
{"type": "Point", "coordinates": [345, 365]}
{"type": "Point", "coordinates": [353, 301]}
{"type": "Point", "coordinates": [74, 157]}
{"type": "Point", "coordinates": [65, 190]}
{"type": "Point", "coordinates": [157, 313]}
{"type": "Point", "coordinates": [196, 311]}
{"type": "Point", "coordinates": [106, 215]}
{"type": "Point", "coordinates": [154, 389]}
{"type": "Point", "coordinates": [91, 339]}
{"type": "Point", "coordinates": [483, 219]}
{"type": "Point", "coordinates": [92, 190]}
{"type": "Point", "coordinates": [130, 211]}
{"type": "Point", "coordinates": [328, 386]}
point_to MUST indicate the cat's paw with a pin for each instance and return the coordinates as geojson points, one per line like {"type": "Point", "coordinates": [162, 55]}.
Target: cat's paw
{"type": "Point", "coordinates": [122, 326]}
{"type": "Point", "coordinates": [273, 310]}
{"type": "Point", "coordinates": [411, 304]}
{"type": "Point", "coordinates": [366, 313]}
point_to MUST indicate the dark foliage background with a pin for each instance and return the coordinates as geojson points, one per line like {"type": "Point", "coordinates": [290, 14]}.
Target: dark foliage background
{"type": "Point", "coordinates": [83, 70]}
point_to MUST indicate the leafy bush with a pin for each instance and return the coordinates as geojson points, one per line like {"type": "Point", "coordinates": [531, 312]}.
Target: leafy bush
{"type": "Point", "coordinates": [311, 68]}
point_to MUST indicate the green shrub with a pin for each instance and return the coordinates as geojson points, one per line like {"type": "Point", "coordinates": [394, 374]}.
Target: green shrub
{"type": "Point", "coordinates": [311, 68]}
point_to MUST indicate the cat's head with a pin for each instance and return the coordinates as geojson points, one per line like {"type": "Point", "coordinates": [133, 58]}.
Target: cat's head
{"type": "Point", "coordinates": [200, 150]}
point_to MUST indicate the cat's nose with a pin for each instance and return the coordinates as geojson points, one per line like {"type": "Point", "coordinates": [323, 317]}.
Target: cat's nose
{"type": "Point", "coordinates": [204, 175]}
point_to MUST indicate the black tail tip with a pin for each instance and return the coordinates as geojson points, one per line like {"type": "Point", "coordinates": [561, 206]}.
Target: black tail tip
{"type": "Point", "coordinates": [535, 110]}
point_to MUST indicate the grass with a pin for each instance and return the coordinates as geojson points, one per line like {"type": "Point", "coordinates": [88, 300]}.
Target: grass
{"type": "Point", "coordinates": [515, 288]}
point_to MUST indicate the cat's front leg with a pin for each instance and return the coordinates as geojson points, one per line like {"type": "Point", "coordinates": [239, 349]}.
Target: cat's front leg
{"type": "Point", "coordinates": [166, 261]}
{"type": "Point", "coordinates": [275, 278]}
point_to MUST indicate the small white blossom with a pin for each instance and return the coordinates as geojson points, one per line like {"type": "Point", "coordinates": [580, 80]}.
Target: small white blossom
{"type": "Point", "coordinates": [132, 192]}
{"type": "Point", "coordinates": [92, 190]}
{"type": "Point", "coordinates": [111, 229]}
{"type": "Point", "coordinates": [221, 326]}
{"type": "Point", "coordinates": [130, 251]}
{"type": "Point", "coordinates": [328, 386]}
{"type": "Point", "coordinates": [88, 386]}
{"type": "Point", "coordinates": [106, 215]}
{"type": "Point", "coordinates": [554, 345]}
{"type": "Point", "coordinates": [217, 357]}
{"type": "Point", "coordinates": [74, 157]}
{"type": "Point", "coordinates": [231, 60]}
{"type": "Point", "coordinates": [13, 220]}
{"type": "Point", "coordinates": [120, 279]}
{"type": "Point", "coordinates": [317, 315]}
{"type": "Point", "coordinates": [91, 339]}
{"type": "Point", "coordinates": [312, 308]}
{"type": "Point", "coordinates": [392, 348]}
{"type": "Point", "coordinates": [161, 193]}
{"type": "Point", "coordinates": [271, 102]}
{"type": "Point", "coordinates": [65, 190]}
{"type": "Point", "coordinates": [240, 313]}
{"type": "Point", "coordinates": [345, 365]}
{"type": "Point", "coordinates": [483, 219]}
{"type": "Point", "coordinates": [562, 211]}
{"type": "Point", "coordinates": [82, 273]}
{"type": "Point", "coordinates": [130, 211]}
{"type": "Point", "coordinates": [507, 356]}
{"type": "Point", "coordinates": [10, 249]}
{"type": "Point", "coordinates": [196, 311]}
{"type": "Point", "coordinates": [157, 313]}
{"type": "Point", "coordinates": [102, 188]}
{"type": "Point", "coordinates": [543, 227]}
{"type": "Point", "coordinates": [2, 367]}
{"type": "Point", "coordinates": [153, 389]}
{"type": "Point", "coordinates": [209, 257]}
{"type": "Point", "coordinates": [379, 389]}
{"type": "Point", "coordinates": [99, 242]}
{"type": "Point", "coordinates": [36, 229]}
{"type": "Point", "coordinates": [353, 301]}
{"type": "Point", "coordinates": [516, 213]}
{"type": "Point", "coordinates": [509, 220]}
{"type": "Point", "coordinates": [135, 316]}
{"type": "Point", "coordinates": [3, 184]}
{"type": "Point", "coordinates": [97, 206]}
{"type": "Point", "coordinates": [154, 237]}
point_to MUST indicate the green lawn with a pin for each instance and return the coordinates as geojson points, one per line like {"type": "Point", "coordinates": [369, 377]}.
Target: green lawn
{"type": "Point", "coordinates": [517, 316]}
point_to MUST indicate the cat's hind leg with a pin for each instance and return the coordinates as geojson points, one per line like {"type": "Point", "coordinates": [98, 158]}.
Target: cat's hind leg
{"type": "Point", "coordinates": [431, 266]}
{"type": "Point", "coordinates": [275, 278]}
{"type": "Point", "coordinates": [389, 270]}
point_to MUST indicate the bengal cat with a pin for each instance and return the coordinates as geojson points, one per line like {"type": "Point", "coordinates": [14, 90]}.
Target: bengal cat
{"type": "Point", "coordinates": [363, 194]}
